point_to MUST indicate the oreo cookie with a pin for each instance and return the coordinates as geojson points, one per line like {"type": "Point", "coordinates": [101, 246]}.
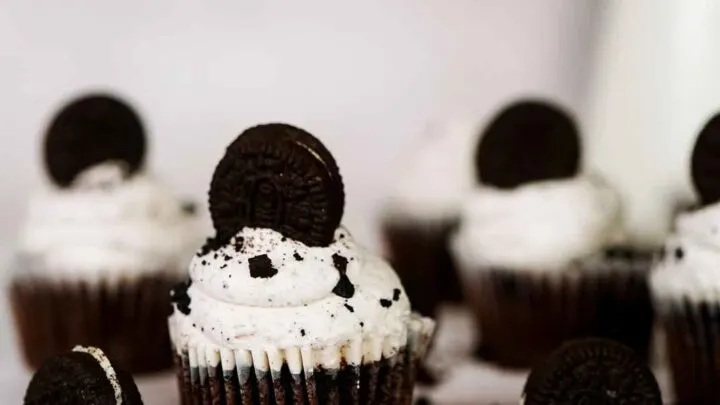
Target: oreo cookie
{"type": "Point", "coordinates": [705, 163]}
{"type": "Point", "coordinates": [90, 130]}
{"type": "Point", "coordinates": [592, 371]}
{"type": "Point", "coordinates": [279, 177]}
{"type": "Point", "coordinates": [83, 376]}
{"type": "Point", "coordinates": [526, 142]}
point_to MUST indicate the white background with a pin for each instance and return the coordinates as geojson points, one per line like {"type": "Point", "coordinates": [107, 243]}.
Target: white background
{"type": "Point", "coordinates": [365, 76]}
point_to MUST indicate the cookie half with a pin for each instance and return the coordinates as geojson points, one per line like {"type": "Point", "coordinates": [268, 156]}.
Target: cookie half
{"type": "Point", "coordinates": [526, 142]}
{"type": "Point", "coordinates": [705, 162]}
{"type": "Point", "coordinates": [91, 130]}
{"type": "Point", "coordinates": [83, 376]}
{"type": "Point", "coordinates": [592, 371]}
{"type": "Point", "coordinates": [279, 177]}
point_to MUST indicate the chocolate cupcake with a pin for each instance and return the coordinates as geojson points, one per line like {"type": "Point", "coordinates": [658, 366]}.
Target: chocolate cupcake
{"type": "Point", "coordinates": [538, 244]}
{"type": "Point", "coordinates": [686, 282]}
{"type": "Point", "coordinates": [282, 306]}
{"type": "Point", "coordinates": [423, 209]}
{"type": "Point", "coordinates": [85, 376]}
{"type": "Point", "coordinates": [102, 245]}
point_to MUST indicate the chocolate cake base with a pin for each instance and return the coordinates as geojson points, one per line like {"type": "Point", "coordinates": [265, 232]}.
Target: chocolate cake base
{"type": "Point", "coordinates": [693, 343]}
{"type": "Point", "coordinates": [386, 382]}
{"type": "Point", "coordinates": [523, 316]}
{"type": "Point", "coordinates": [421, 258]}
{"type": "Point", "coordinates": [129, 321]}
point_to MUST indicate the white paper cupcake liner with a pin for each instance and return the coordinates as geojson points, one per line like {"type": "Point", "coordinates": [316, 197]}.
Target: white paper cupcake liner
{"type": "Point", "coordinates": [362, 371]}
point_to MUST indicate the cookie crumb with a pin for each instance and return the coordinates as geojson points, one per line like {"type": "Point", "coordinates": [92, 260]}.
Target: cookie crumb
{"type": "Point", "coordinates": [262, 267]}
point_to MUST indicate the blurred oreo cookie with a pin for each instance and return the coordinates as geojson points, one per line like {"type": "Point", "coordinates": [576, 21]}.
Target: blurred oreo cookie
{"type": "Point", "coordinates": [528, 141]}
{"type": "Point", "coordinates": [83, 376]}
{"type": "Point", "coordinates": [705, 162]}
{"type": "Point", "coordinates": [90, 130]}
{"type": "Point", "coordinates": [592, 371]}
{"type": "Point", "coordinates": [279, 177]}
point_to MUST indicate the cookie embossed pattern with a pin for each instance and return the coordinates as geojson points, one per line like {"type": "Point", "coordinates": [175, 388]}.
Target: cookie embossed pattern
{"type": "Point", "coordinates": [282, 305]}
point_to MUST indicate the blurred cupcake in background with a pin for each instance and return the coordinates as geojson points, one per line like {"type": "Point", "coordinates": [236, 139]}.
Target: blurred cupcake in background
{"type": "Point", "coordinates": [282, 305]}
{"type": "Point", "coordinates": [102, 245]}
{"type": "Point", "coordinates": [422, 211]}
{"type": "Point", "coordinates": [537, 244]}
{"type": "Point", "coordinates": [686, 281]}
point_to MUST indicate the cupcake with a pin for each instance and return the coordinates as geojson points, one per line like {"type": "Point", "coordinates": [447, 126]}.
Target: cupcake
{"type": "Point", "coordinates": [84, 376]}
{"type": "Point", "coordinates": [102, 245]}
{"type": "Point", "coordinates": [421, 212]}
{"type": "Point", "coordinates": [282, 306]}
{"type": "Point", "coordinates": [686, 283]}
{"type": "Point", "coordinates": [538, 244]}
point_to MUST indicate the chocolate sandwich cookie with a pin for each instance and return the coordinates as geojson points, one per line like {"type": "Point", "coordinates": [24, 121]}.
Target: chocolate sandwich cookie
{"type": "Point", "coordinates": [84, 376]}
{"type": "Point", "coordinates": [279, 177]}
{"type": "Point", "coordinates": [528, 141]}
{"type": "Point", "coordinates": [705, 164]}
{"type": "Point", "coordinates": [91, 130]}
{"type": "Point", "coordinates": [592, 371]}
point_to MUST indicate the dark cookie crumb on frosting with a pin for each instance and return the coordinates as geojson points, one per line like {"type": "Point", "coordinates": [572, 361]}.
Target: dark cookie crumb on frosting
{"type": "Point", "coordinates": [261, 267]}
{"type": "Point", "coordinates": [679, 253]}
{"type": "Point", "coordinates": [180, 298]}
{"type": "Point", "coordinates": [297, 257]}
{"type": "Point", "coordinates": [396, 294]}
{"type": "Point", "coordinates": [349, 307]}
{"type": "Point", "coordinates": [189, 208]}
{"type": "Point", "coordinates": [344, 287]}
{"type": "Point", "coordinates": [385, 303]}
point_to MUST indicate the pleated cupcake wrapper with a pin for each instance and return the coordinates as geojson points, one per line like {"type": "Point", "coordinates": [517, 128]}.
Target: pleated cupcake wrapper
{"type": "Point", "coordinates": [421, 257]}
{"type": "Point", "coordinates": [525, 315]}
{"type": "Point", "coordinates": [364, 371]}
{"type": "Point", "coordinates": [128, 320]}
{"type": "Point", "coordinates": [692, 333]}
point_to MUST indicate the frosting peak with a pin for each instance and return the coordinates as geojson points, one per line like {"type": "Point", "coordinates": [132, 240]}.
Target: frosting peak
{"type": "Point", "coordinates": [540, 226]}
{"type": "Point", "coordinates": [689, 266]}
{"type": "Point", "coordinates": [262, 268]}
{"type": "Point", "coordinates": [295, 296]}
{"type": "Point", "coordinates": [107, 226]}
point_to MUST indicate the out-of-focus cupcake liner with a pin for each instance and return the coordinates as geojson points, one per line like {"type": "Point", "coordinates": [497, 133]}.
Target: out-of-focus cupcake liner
{"type": "Point", "coordinates": [421, 257]}
{"type": "Point", "coordinates": [361, 372]}
{"type": "Point", "coordinates": [524, 315]}
{"type": "Point", "coordinates": [126, 318]}
{"type": "Point", "coordinates": [692, 332]}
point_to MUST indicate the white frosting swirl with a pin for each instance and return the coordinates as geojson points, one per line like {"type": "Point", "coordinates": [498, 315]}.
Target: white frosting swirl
{"type": "Point", "coordinates": [690, 266]}
{"type": "Point", "coordinates": [542, 226]}
{"type": "Point", "coordinates": [294, 307]}
{"type": "Point", "coordinates": [434, 182]}
{"type": "Point", "coordinates": [106, 227]}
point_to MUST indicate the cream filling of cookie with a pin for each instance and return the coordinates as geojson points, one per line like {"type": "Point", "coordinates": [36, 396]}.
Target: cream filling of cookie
{"type": "Point", "coordinates": [107, 367]}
